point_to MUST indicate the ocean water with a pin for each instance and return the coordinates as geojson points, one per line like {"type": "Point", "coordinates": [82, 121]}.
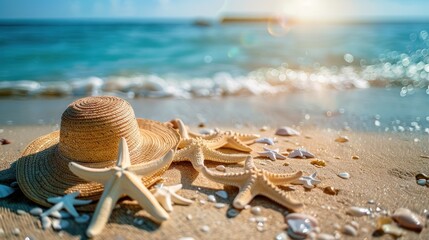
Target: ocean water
{"type": "Point", "coordinates": [185, 60]}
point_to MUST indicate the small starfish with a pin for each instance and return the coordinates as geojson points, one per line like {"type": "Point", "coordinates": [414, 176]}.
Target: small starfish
{"type": "Point", "coordinates": [253, 181]}
{"type": "Point", "coordinates": [166, 196]}
{"type": "Point", "coordinates": [195, 150]}
{"type": "Point", "coordinates": [308, 181]}
{"type": "Point", "coordinates": [300, 153]}
{"type": "Point", "coordinates": [269, 141]}
{"type": "Point", "coordinates": [121, 179]}
{"type": "Point", "coordinates": [272, 154]}
{"type": "Point", "coordinates": [67, 202]}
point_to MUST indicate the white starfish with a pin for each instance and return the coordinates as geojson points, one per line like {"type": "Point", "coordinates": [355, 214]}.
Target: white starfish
{"type": "Point", "coordinates": [66, 202]}
{"type": "Point", "coordinates": [166, 196]}
{"type": "Point", "coordinates": [300, 153]}
{"type": "Point", "coordinates": [308, 181]}
{"type": "Point", "coordinates": [272, 154]}
{"type": "Point", "coordinates": [122, 179]}
{"type": "Point", "coordinates": [269, 141]}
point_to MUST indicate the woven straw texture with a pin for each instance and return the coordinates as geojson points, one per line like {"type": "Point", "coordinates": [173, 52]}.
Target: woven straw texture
{"type": "Point", "coordinates": [89, 135]}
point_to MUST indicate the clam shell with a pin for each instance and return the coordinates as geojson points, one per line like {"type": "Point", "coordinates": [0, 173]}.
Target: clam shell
{"type": "Point", "coordinates": [6, 191]}
{"type": "Point", "coordinates": [407, 219]}
{"type": "Point", "coordinates": [358, 211]}
{"type": "Point", "coordinates": [287, 131]}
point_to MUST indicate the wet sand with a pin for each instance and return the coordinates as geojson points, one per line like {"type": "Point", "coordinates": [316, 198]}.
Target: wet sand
{"type": "Point", "coordinates": [385, 173]}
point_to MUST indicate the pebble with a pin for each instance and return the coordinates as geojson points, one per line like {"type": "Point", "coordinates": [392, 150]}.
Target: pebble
{"type": "Point", "coordinates": [82, 218]}
{"type": "Point", "coordinates": [219, 205]}
{"type": "Point", "coordinates": [221, 168]}
{"type": "Point", "coordinates": [300, 225]}
{"type": "Point", "coordinates": [46, 222]}
{"type": "Point", "coordinates": [205, 228]}
{"type": "Point", "coordinates": [354, 224]}
{"type": "Point", "coordinates": [355, 157]}
{"type": "Point", "coordinates": [421, 182]}
{"type": "Point", "coordinates": [232, 212]}
{"type": "Point", "coordinates": [16, 231]}
{"type": "Point", "coordinates": [358, 211]}
{"type": "Point", "coordinates": [371, 201]}
{"type": "Point", "coordinates": [286, 131]}
{"type": "Point", "coordinates": [202, 202]}
{"type": "Point", "coordinates": [189, 217]}
{"type": "Point", "coordinates": [260, 227]}
{"type": "Point", "coordinates": [36, 211]}
{"type": "Point", "coordinates": [318, 163]}
{"type": "Point", "coordinates": [222, 194]}
{"type": "Point", "coordinates": [211, 198]}
{"type": "Point", "coordinates": [325, 236]}
{"type": "Point", "coordinates": [342, 139]}
{"type": "Point", "coordinates": [21, 212]}
{"type": "Point", "coordinates": [344, 175]}
{"type": "Point", "coordinates": [4, 141]}
{"type": "Point", "coordinates": [407, 219]}
{"type": "Point", "coordinates": [256, 211]}
{"type": "Point", "coordinates": [264, 128]}
{"type": "Point", "coordinates": [330, 190]}
{"type": "Point", "coordinates": [350, 230]}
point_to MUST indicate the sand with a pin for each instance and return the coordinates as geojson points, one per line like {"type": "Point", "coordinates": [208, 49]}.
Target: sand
{"type": "Point", "coordinates": [385, 173]}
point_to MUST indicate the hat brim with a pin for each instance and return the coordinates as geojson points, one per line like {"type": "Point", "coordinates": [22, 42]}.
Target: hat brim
{"type": "Point", "coordinates": [41, 174]}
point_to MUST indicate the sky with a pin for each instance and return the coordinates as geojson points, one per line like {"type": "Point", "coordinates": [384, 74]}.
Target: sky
{"type": "Point", "coordinates": [161, 9]}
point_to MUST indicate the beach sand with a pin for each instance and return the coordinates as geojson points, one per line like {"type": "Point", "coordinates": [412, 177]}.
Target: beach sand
{"type": "Point", "coordinates": [384, 173]}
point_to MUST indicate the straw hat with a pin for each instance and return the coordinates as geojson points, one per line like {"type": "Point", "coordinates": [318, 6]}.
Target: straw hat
{"type": "Point", "coordinates": [90, 131]}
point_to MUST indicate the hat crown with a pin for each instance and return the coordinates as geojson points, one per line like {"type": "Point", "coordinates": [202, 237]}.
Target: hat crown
{"type": "Point", "coordinates": [91, 128]}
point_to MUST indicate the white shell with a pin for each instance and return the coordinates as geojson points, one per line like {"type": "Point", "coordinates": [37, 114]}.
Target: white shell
{"type": "Point", "coordinates": [344, 175]}
{"type": "Point", "coordinates": [46, 222]}
{"type": "Point", "coordinates": [407, 219]}
{"type": "Point", "coordinates": [300, 225]}
{"type": "Point", "coordinates": [6, 191]}
{"type": "Point", "coordinates": [287, 131]}
{"type": "Point", "coordinates": [36, 211]}
{"type": "Point", "coordinates": [211, 198]}
{"type": "Point", "coordinates": [350, 230]}
{"type": "Point", "coordinates": [358, 211]}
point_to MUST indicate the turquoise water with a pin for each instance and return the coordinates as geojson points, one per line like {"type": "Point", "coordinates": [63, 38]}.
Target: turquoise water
{"type": "Point", "coordinates": [185, 60]}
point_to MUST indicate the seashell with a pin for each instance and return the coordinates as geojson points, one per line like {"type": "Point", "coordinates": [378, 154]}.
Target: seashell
{"type": "Point", "coordinates": [421, 182]}
{"type": "Point", "coordinates": [344, 175]}
{"type": "Point", "coordinates": [407, 219]}
{"type": "Point", "coordinates": [16, 231]}
{"type": "Point", "coordinates": [358, 211]}
{"type": "Point", "coordinates": [256, 210]}
{"type": "Point", "coordinates": [82, 218]}
{"type": "Point", "coordinates": [422, 176]}
{"type": "Point", "coordinates": [46, 222]}
{"type": "Point", "coordinates": [318, 163]}
{"type": "Point", "coordinates": [6, 191]}
{"type": "Point", "coordinates": [300, 225]}
{"type": "Point", "coordinates": [219, 205]}
{"type": "Point", "coordinates": [355, 157]}
{"type": "Point", "coordinates": [222, 194]}
{"type": "Point", "coordinates": [392, 230]}
{"type": "Point", "coordinates": [330, 190]}
{"type": "Point", "coordinates": [221, 168]}
{"type": "Point", "coordinates": [211, 198]}
{"type": "Point", "coordinates": [286, 131]}
{"type": "Point", "coordinates": [342, 139]}
{"type": "Point", "coordinates": [36, 211]}
{"type": "Point", "coordinates": [350, 230]}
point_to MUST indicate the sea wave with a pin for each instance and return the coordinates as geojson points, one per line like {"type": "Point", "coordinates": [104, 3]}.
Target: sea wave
{"type": "Point", "coordinates": [262, 81]}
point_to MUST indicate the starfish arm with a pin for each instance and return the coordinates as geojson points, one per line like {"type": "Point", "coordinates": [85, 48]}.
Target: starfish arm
{"type": "Point", "coordinates": [165, 202]}
{"type": "Point", "coordinates": [151, 167]}
{"type": "Point", "coordinates": [81, 202]}
{"type": "Point", "coordinates": [235, 143]}
{"type": "Point", "coordinates": [217, 156]}
{"type": "Point", "coordinates": [104, 207]}
{"type": "Point", "coordinates": [234, 179]}
{"type": "Point", "coordinates": [123, 154]}
{"type": "Point", "coordinates": [100, 175]}
{"type": "Point", "coordinates": [184, 154]}
{"type": "Point", "coordinates": [282, 179]}
{"type": "Point", "coordinates": [181, 200]}
{"type": "Point", "coordinates": [183, 131]}
{"type": "Point", "coordinates": [218, 141]}
{"type": "Point", "coordinates": [54, 199]}
{"type": "Point", "coordinates": [276, 194]}
{"type": "Point", "coordinates": [136, 190]}
{"type": "Point", "coordinates": [244, 137]}
{"type": "Point", "coordinates": [70, 208]}
{"type": "Point", "coordinates": [244, 196]}
{"type": "Point", "coordinates": [249, 164]}
{"type": "Point", "coordinates": [56, 207]}
{"type": "Point", "coordinates": [279, 156]}
{"type": "Point", "coordinates": [175, 188]}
